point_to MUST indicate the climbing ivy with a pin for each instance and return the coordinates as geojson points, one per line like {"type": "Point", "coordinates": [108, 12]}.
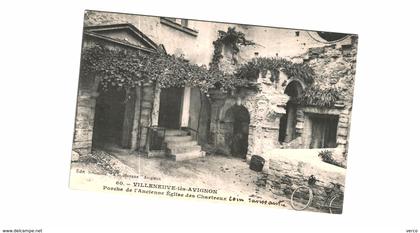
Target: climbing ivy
{"type": "Point", "coordinates": [128, 68]}
{"type": "Point", "coordinates": [231, 38]}
{"type": "Point", "coordinates": [251, 69]}
{"type": "Point", "coordinates": [321, 97]}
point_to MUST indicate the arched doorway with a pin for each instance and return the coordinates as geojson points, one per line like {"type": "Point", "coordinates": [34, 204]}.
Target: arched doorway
{"type": "Point", "coordinates": [109, 116]}
{"type": "Point", "coordinates": [239, 118]}
{"type": "Point", "coordinates": [287, 128]}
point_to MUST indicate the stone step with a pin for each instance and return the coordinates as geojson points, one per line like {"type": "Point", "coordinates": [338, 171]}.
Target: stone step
{"type": "Point", "coordinates": [174, 144]}
{"type": "Point", "coordinates": [187, 156]}
{"type": "Point", "coordinates": [175, 132]}
{"type": "Point", "coordinates": [178, 138]}
{"type": "Point", "coordinates": [159, 153]}
{"type": "Point", "coordinates": [184, 149]}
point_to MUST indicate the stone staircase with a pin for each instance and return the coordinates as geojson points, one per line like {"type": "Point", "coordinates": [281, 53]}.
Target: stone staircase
{"type": "Point", "coordinates": [181, 146]}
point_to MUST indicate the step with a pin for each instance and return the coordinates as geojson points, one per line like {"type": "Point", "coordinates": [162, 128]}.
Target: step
{"type": "Point", "coordinates": [184, 149]}
{"type": "Point", "coordinates": [178, 138]}
{"type": "Point", "coordinates": [180, 144]}
{"type": "Point", "coordinates": [156, 153]}
{"type": "Point", "coordinates": [175, 132]}
{"type": "Point", "coordinates": [188, 155]}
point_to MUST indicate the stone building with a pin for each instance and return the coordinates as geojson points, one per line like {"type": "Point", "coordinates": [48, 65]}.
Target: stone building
{"type": "Point", "coordinates": [245, 123]}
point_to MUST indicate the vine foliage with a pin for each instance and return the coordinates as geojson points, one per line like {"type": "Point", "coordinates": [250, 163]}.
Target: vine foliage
{"type": "Point", "coordinates": [316, 96]}
{"type": "Point", "coordinates": [129, 68]}
{"type": "Point", "coordinates": [251, 69]}
{"type": "Point", "coordinates": [232, 38]}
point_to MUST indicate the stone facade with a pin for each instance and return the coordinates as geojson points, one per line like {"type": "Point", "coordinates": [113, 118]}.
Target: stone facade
{"type": "Point", "coordinates": [83, 129]}
{"type": "Point", "coordinates": [137, 109]}
{"type": "Point", "coordinates": [266, 104]}
{"type": "Point", "coordinates": [334, 67]}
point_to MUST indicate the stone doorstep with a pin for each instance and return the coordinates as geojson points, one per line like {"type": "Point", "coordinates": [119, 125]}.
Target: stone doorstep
{"type": "Point", "coordinates": [178, 138]}
{"type": "Point", "coordinates": [157, 153]}
{"type": "Point", "coordinates": [175, 132]}
{"type": "Point", "coordinates": [187, 156]}
{"type": "Point", "coordinates": [178, 144]}
{"type": "Point", "coordinates": [184, 149]}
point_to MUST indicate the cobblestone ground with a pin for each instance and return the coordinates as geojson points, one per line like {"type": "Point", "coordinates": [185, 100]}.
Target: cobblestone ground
{"type": "Point", "coordinates": [231, 176]}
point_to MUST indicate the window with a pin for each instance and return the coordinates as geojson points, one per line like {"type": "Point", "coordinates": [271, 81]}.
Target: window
{"type": "Point", "coordinates": [184, 22]}
{"type": "Point", "coordinates": [332, 36]}
{"type": "Point", "coordinates": [179, 24]}
{"type": "Point", "coordinates": [324, 131]}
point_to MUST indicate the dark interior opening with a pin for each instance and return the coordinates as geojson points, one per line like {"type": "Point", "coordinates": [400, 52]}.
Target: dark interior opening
{"type": "Point", "coordinates": [240, 119]}
{"type": "Point", "coordinates": [109, 116]}
{"type": "Point", "coordinates": [331, 36]}
{"type": "Point", "coordinates": [170, 107]}
{"type": "Point", "coordinates": [324, 131]}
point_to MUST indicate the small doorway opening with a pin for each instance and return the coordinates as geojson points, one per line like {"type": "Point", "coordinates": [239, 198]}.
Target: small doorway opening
{"type": "Point", "coordinates": [239, 116]}
{"type": "Point", "coordinates": [170, 107]}
{"type": "Point", "coordinates": [109, 116]}
{"type": "Point", "coordinates": [324, 131]}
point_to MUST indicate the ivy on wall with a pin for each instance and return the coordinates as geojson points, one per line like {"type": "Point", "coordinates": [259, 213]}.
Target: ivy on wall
{"type": "Point", "coordinates": [251, 69]}
{"type": "Point", "coordinates": [313, 95]}
{"type": "Point", "coordinates": [127, 69]}
{"type": "Point", "coordinates": [130, 68]}
{"type": "Point", "coordinates": [231, 38]}
{"type": "Point", "coordinates": [320, 97]}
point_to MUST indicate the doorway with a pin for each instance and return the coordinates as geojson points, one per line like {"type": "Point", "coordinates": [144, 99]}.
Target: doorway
{"type": "Point", "coordinates": [170, 107]}
{"type": "Point", "coordinates": [109, 116]}
{"type": "Point", "coordinates": [239, 116]}
{"type": "Point", "coordinates": [324, 131]}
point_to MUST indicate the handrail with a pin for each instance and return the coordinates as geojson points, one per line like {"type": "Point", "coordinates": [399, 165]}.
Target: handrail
{"type": "Point", "coordinates": [150, 140]}
{"type": "Point", "coordinates": [194, 130]}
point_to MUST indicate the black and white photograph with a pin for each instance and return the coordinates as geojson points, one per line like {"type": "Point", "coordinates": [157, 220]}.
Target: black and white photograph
{"type": "Point", "coordinates": [209, 116]}
{"type": "Point", "coordinates": [215, 111]}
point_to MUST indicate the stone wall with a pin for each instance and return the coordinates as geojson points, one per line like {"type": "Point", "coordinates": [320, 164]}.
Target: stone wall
{"type": "Point", "coordinates": [265, 105]}
{"type": "Point", "coordinates": [146, 112]}
{"type": "Point", "coordinates": [285, 170]}
{"type": "Point", "coordinates": [138, 111]}
{"type": "Point", "coordinates": [282, 42]}
{"type": "Point", "coordinates": [335, 66]}
{"type": "Point", "coordinates": [85, 115]}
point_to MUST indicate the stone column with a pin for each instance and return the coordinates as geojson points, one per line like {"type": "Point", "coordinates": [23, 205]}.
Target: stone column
{"type": "Point", "coordinates": [85, 116]}
{"type": "Point", "coordinates": [136, 119]}
{"type": "Point", "coordinates": [145, 112]}
{"type": "Point", "coordinates": [128, 119]}
{"type": "Point", "coordinates": [156, 106]}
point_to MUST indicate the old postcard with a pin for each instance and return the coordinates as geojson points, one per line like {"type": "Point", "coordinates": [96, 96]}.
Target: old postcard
{"type": "Point", "coordinates": [211, 111]}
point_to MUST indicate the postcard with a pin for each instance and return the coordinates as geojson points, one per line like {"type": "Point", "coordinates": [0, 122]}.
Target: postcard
{"type": "Point", "coordinates": [211, 111]}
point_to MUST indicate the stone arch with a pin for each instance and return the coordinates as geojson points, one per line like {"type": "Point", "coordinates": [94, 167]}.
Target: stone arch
{"type": "Point", "coordinates": [293, 83]}
{"type": "Point", "coordinates": [287, 125]}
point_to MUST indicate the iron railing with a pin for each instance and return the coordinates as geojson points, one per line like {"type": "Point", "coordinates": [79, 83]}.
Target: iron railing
{"type": "Point", "coordinates": [155, 138]}
{"type": "Point", "coordinates": [192, 132]}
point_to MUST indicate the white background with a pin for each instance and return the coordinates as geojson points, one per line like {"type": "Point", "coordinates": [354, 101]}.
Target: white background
{"type": "Point", "coordinates": [40, 53]}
